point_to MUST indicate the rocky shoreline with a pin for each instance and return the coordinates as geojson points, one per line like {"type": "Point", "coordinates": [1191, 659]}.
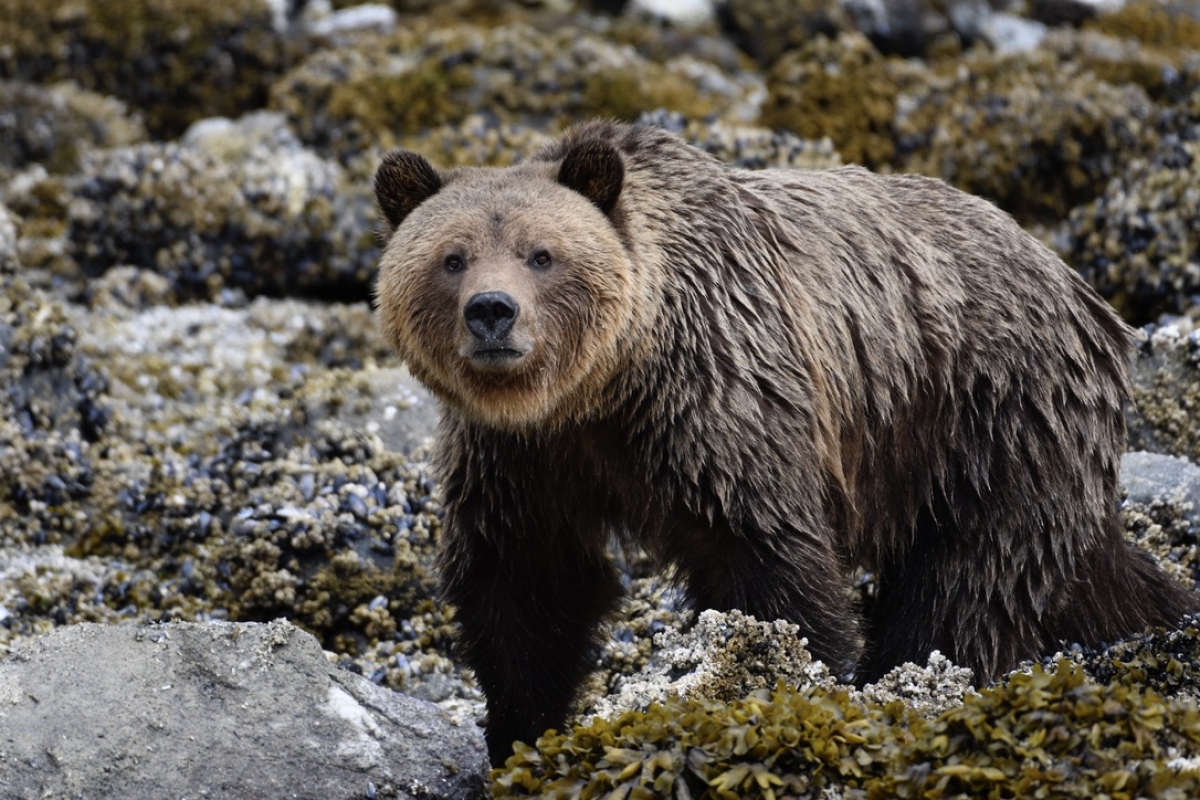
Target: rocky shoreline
{"type": "Point", "coordinates": [199, 424]}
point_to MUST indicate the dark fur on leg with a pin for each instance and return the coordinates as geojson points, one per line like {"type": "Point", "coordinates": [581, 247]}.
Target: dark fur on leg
{"type": "Point", "coordinates": [531, 581]}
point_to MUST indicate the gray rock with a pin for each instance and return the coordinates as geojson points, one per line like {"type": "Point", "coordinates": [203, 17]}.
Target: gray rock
{"type": "Point", "coordinates": [319, 19]}
{"type": "Point", "coordinates": [1008, 33]}
{"type": "Point", "coordinates": [8, 242]}
{"type": "Point", "coordinates": [217, 710]}
{"type": "Point", "coordinates": [675, 12]}
{"type": "Point", "coordinates": [1152, 476]}
{"type": "Point", "coordinates": [400, 411]}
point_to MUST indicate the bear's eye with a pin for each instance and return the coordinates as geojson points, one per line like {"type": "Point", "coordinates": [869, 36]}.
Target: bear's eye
{"type": "Point", "coordinates": [453, 263]}
{"type": "Point", "coordinates": [541, 259]}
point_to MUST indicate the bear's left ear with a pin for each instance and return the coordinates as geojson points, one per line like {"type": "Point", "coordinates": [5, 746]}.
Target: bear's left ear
{"type": "Point", "coordinates": [403, 181]}
{"type": "Point", "coordinates": [595, 170]}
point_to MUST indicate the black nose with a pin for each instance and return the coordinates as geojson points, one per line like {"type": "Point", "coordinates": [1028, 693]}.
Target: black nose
{"type": "Point", "coordinates": [490, 315]}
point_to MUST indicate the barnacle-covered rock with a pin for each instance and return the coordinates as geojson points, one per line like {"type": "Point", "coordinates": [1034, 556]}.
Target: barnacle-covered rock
{"type": "Point", "coordinates": [1138, 243]}
{"type": "Point", "coordinates": [52, 125]}
{"type": "Point", "coordinates": [1036, 134]}
{"type": "Point", "coordinates": [725, 655]}
{"type": "Point", "coordinates": [1151, 478]}
{"type": "Point", "coordinates": [929, 690]}
{"type": "Point", "coordinates": [1164, 23]}
{"type": "Point", "coordinates": [1160, 511]}
{"type": "Point", "coordinates": [1166, 391]}
{"type": "Point", "coordinates": [175, 60]}
{"type": "Point", "coordinates": [477, 140]}
{"type": "Point", "coordinates": [234, 206]}
{"type": "Point", "coordinates": [747, 146]}
{"type": "Point", "coordinates": [1162, 71]}
{"type": "Point", "coordinates": [1165, 661]}
{"type": "Point", "coordinates": [383, 91]}
{"type": "Point", "coordinates": [240, 473]}
{"type": "Point", "coordinates": [53, 409]}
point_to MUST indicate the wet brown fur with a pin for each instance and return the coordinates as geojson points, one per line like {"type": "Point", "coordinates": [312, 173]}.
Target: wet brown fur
{"type": "Point", "coordinates": [766, 378]}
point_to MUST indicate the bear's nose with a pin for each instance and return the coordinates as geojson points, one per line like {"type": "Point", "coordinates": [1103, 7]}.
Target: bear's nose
{"type": "Point", "coordinates": [490, 315]}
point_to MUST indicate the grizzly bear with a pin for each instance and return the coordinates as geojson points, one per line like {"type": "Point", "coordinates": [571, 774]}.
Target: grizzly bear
{"type": "Point", "coordinates": [765, 379]}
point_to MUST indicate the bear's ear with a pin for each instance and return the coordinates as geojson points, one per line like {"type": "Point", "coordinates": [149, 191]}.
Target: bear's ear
{"type": "Point", "coordinates": [595, 170]}
{"type": "Point", "coordinates": [403, 181]}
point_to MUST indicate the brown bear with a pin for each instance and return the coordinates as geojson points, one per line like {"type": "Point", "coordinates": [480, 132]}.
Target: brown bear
{"type": "Point", "coordinates": [765, 379]}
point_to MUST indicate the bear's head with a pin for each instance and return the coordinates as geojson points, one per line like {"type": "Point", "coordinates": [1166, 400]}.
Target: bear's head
{"type": "Point", "coordinates": [508, 291]}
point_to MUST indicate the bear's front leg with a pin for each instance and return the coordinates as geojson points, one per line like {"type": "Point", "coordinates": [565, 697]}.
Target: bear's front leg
{"type": "Point", "coordinates": [528, 618]}
{"type": "Point", "coordinates": [523, 558]}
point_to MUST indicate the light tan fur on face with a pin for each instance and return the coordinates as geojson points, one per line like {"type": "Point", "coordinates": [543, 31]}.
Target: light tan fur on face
{"type": "Point", "coordinates": [576, 316]}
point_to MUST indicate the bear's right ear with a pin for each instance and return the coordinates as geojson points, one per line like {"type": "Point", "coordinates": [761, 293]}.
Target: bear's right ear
{"type": "Point", "coordinates": [595, 170]}
{"type": "Point", "coordinates": [403, 181]}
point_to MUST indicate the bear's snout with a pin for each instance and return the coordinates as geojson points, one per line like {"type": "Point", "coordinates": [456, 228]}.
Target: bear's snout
{"type": "Point", "coordinates": [490, 316]}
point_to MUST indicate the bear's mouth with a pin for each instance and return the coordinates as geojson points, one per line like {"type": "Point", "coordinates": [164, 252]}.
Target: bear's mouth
{"type": "Point", "coordinates": [492, 357]}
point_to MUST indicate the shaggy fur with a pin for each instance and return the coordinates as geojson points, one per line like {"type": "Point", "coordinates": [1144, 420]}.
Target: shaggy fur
{"type": "Point", "coordinates": [765, 378]}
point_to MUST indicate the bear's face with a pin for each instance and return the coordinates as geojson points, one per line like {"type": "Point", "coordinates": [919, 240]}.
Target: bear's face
{"type": "Point", "coordinates": [506, 291]}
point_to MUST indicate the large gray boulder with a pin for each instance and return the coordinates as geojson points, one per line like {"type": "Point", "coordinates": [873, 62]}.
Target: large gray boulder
{"type": "Point", "coordinates": [217, 710]}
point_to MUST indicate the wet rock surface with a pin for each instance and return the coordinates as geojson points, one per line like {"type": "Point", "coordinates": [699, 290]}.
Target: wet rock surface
{"type": "Point", "coordinates": [218, 709]}
{"type": "Point", "coordinates": [199, 423]}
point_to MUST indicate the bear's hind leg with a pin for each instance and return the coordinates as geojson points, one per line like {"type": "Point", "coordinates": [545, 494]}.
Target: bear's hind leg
{"type": "Point", "coordinates": [785, 575]}
{"type": "Point", "coordinates": [942, 594]}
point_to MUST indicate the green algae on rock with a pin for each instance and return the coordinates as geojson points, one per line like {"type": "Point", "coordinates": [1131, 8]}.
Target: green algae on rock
{"type": "Point", "coordinates": [176, 61]}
